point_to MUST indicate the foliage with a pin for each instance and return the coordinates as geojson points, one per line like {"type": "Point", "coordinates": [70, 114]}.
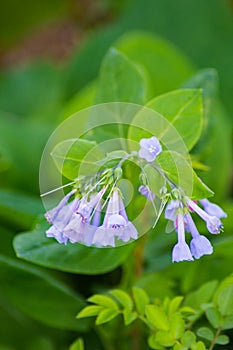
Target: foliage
{"type": "Point", "coordinates": [139, 299]}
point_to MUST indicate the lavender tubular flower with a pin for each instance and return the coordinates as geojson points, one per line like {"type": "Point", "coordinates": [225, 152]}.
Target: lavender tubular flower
{"type": "Point", "coordinates": [212, 209]}
{"type": "Point", "coordinates": [199, 244]}
{"type": "Point", "coordinates": [149, 148]}
{"type": "Point", "coordinates": [171, 209]}
{"type": "Point", "coordinates": [116, 224]}
{"type": "Point", "coordinates": [61, 220]}
{"type": "Point", "coordinates": [181, 251]}
{"type": "Point", "coordinates": [213, 223]}
{"type": "Point", "coordinates": [78, 227]}
{"type": "Point", "coordinates": [53, 213]}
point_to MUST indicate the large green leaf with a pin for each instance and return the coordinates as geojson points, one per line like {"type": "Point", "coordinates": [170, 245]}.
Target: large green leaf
{"type": "Point", "coordinates": [120, 80]}
{"type": "Point", "coordinates": [70, 155]}
{"type": "Point", "coordinates": [76, 258]}
{"type": "Point", "coordinates": [184, 110]}
{"type": "Point", "coordinates": [39, 295]}
{"type": "Point", "coordinates": [179, 171]}
{"type": "Point", "coordinates": [160, 59]}
{"type": "Point", "coordinates": [207, 80]}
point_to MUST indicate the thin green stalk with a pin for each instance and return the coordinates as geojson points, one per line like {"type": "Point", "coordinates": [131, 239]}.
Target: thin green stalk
{"type": "Point", "coordinates": [215, 338]}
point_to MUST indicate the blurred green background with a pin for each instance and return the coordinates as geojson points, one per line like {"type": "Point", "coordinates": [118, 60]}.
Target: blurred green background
{"type": "Point", "coordinates": [49, 52]}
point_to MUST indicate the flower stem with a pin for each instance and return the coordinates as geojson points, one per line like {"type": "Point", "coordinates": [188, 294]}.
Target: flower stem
{"type": "Point", "coordinates": [215, 338]}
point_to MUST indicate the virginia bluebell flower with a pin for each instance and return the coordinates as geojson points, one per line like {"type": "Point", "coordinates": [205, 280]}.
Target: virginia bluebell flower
{"type": "Point", "coordinates": [115, 224]}
{"type": "Point", "coordinates": [212, 209]}
{"type": "Point", "coordinates": [78, 227]}
{"type": "Point", "coordinates": [149, 148]}
{"type": "Point", "coordinates": [181, 251]}
{"type": "Point", "coordinates": [199, 245]}
{"type": "Point", "coordinates": [53, 213]}
{"type": "Point", "coordinates": [60, 220]}
{"type": "Point", "coordinates": [213, 223]}
{"type": "Point", "coordinates": [171, 210]}
{"type": "Point", "coordinates": [146, 192]}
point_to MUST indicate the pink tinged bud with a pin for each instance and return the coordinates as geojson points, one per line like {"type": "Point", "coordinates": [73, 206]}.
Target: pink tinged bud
{"type": "Point", "coordinates": [149, 148]}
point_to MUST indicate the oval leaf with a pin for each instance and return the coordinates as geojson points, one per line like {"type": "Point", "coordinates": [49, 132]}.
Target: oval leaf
{"type": "Point", "coordinates": [70, 154]}
{"type": "Point", "coordinates": [39, 295]}
{"type": "Point", "coordinates": [182, 108]}
{"type": "Point", "coordinates": [76, 258]}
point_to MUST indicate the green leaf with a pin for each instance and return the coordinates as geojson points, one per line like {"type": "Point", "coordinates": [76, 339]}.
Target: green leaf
{"type": "Point", "coordinates": [175, 304]}
{"type": "Point", "coordinates": [75, 258]}
{"type": "Point", "coordinates": [23, 286]}
{"type": "Point", "coordinates": [165, 338]}
{"type": "Point", "coordinates": [226, 282]}
{"type": "Point", "coordinates": [119, 80]}
{"type": "Point", "coordinates": [227, 322]}
{"type": "Point", "coordinates": [177, 326]}
{"type": "Point", "coordinates": [214, 317]}
{"type": "Point", "coordinates": [106, 316]}
{"type": "Point", "coordinates": [129, 316]}
{"type": "Point", "coordinates": [181, 108]}
{"type": "Point", "coordinates": [70, 155]}
{"type": "Point", "coordinates": [198, 346]}
{"type": "Point", "coordinates": [188, 338]}
{"type": "Point", "coordinates": [207, 80]}
{"type": "Point", "coordinates": [83, 99]}
{"type": "Point", "coordinates": [206, 333]}
{"type": "Point", "coordinates": [157, 317]}
{"type": "Point", "coordinates": [154, 344]}
{"type": "Point", "coordinates": [103, 300]}
{"type": "Point", "coordinates": [141, 299]}
{"type": "Point", "coordinates": [123, 298]}
{"type": "Point", "coordinates": [159, 57]}
{"type": "Point", "coordinates": [77, 345]}
{"type": "Point", "coordinates": [225, 301]}
{"type": "Point", "coordinates": [180, 347]}
{"type": "Point", "coordinates": [155, 179]}
{"type": "Point", "coordinates": [89, 311]}
{"type": "Point", "coordinates": [222, 339]}
{"type": "Point", "coordinates": [179, 171]}
{"type": "Point", "coordinates": [202, 296]}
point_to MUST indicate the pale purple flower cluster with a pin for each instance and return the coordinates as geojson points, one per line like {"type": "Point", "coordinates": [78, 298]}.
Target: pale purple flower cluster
{"type": "Point", "coordinates": [80, 220]}
{"type": "Point", "coordinates": [180, 215]}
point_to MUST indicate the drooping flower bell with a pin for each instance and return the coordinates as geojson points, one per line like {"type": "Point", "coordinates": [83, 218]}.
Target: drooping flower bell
{"type": "Point", "coordinates": [181, 251]}
{"type": "Point", "coordinates": [60, 217]}
{"type": "Point", "coordinates": [213, 223]}
{"type": "Point", "coordinates": [199, 244]}
{"type": "Point", "coordinates": [115, 225]}
{"type": "Point", "coordinates": [79, 228]}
